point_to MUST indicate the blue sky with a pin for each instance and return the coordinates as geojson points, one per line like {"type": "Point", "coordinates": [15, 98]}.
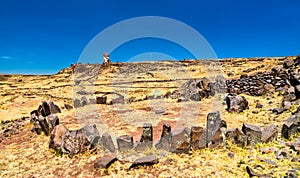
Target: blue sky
{"type": "Point", "coordinates": [42, 37]}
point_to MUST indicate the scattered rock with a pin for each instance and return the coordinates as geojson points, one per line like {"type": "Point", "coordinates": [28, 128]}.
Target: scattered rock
{"type": "Point", "coordinates": [290, 126]}
{"type": "Point", "coordinates": [269, 133]}
{"type": "Point", "coordinates": [258, 105]}
{"type": "Point", "coordinates": [253, 133]}
{"type": "Point", "coordinates": [68, 106]}
{"type": "Point", "coordinates": [236, 103]}
{"type": "Point", "coordinates": [147, 160]}
{"type": "Point", "coordinates": [278, 110]}
{"type": "Point", "coordinates": [268, 150]}
{"type": "Point", "coordinates": [125, 142]}
{"type": "Point", "coordinates": [105, 162]}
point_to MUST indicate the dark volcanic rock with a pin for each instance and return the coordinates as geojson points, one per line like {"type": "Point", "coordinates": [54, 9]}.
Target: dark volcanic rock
{"type": "Point", "coordinates": [258, 105]}
{"type": "Point", "coordinates": [101, 99]}
{"type": "Point", "coordinates": [269, 133]}
{"type": "Point", "coordinates": [104, 162]}
{"type": "Point", "coordinates": [125, 142]}
{"type": "Point", "coordinates": [44, 125]}
{"type": "Point", "coordinates": [84, 101]}
{"type": "Point", "coordinates": [290, 126]}
{"type": "Point", "coordinates": [81, 140]}
{"type": "Point", "coordinates": [213, 122]}
{"type": "Point", "coordinates": [56, 136]}
{"type": "Point", "coordinates": [107, 143]}
{"type": "Point", "coordinates": [198, 138]}
{"type": "Point", "coordinates": [146, 138]}
{"type": "Point", "coordinates": [253, 133]}
{"type": "Point", "coordinates": [77, 103]}
{"type": "Point", "coordinates": [181, 141]}
{"type": "Point", "coordinates": [219, 137]}
{"type": "Point", "coordinates": [278, 110]}
{"type": "Point", "coordinates": [53, 107]}
{"type": "Point", "coordinates": [68, 106]}
{"type": "Point", "coordinates": [53, 121]}
{"type": "Point", "coordinates": [237, 137]}
{"type": "Point", "coordinates": [165, 139]}
{"type": "Point", "coordinates": [288, 63]}
{"type": "Point", "coordinates": [236, 103]}
{"type": "Point", "coordinates": [147, 160]}
{"type": "Point", "coordinates": [44, 109]}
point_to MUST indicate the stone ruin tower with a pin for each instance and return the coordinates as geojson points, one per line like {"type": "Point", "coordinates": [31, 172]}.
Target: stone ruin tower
{"type": "Point", "coordinates": [106, 59]}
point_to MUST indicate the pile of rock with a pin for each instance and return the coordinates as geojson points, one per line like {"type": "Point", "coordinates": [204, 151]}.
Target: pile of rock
{"type": "Point", "coordinates": [282, 78]}
{"type": "Point", "coordinates": [9, 128]}
{"type": "Point", "coordinates": [45, 118]}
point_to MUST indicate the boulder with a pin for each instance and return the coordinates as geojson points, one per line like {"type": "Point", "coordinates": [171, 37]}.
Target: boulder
{"type": "Point", "coordinates": [125, 142]}
{"type": "Point", "coordinates": [181, 140]}
{"type": "Point", "coordinates": [107, 143]}
{"type": "Point", "coordinates": [290, 126]}
{"type": "Point", "coordinates": [146, 160]}
{"type": "Point", "coordinates": [288, 63]}
{"type": "Point", "coordinates": [165, 139]}
{"type": "Point", "coordinates": [105, 161]}
{"type": "Point", "coordinates": [81, 140]}
{"type": "Point", "coordinates": [253, 133]}
{"type": "Point", "coordinates": [213, 122]}
{"type": "Point", "coordinates": [56, 136]}
{"type": "Point", "coordinates": [269, 133]}
{"type": "Point", "coordinates": [236, 103]}
{"type": "Point", "coordinates": [237, 137]}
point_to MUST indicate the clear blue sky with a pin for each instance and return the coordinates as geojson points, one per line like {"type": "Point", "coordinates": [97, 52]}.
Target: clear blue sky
{"type": "Point", "coordinates": [44, 36]}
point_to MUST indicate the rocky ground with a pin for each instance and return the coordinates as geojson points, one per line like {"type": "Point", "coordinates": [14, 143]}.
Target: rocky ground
{"type": "Point", "coordinates": [119, 98]}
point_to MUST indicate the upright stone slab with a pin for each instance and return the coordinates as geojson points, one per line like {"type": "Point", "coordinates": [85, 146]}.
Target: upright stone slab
{"type": "Point", "coordinates": [84, 101]}
{"type": "Point", "coordinates": [213, 122]}
{"type": "Point", "coordinates": [56, 136]}
{"type": "Point", "coordinates": [290, 126]}
{"type": "Point", "coordinates": [53, 121]}
{"type": "Point", "coordinates": [107, 143]}
{"type": "Point", "coordinates": [253, 133]}
{"type": "Point", "coordinates": [166, 138]}
{"type": "Point", "coordinates": [44, 109]}
{"type": "Point", "coordinates": [77, 103]}
{"type": "Point", "coordinates": [125, 142]}
{"type": "Point", "coordinates": [101, 99]}
{"type": "Point", "coordinates": [146, 138]}
{"type": "Point", "coordinates": [269, 133]}
{"type": "Point", "coordinates": [44, 125]}
{"type": "Point", "coordinates": [181, 140]}
{"type": "Point", "coordinates": [198, 138]}
{"type": "Point", "coordinates": [237, 137]}
{"type": "Point", "coordinates": [53, 107]}
{"type": "Point", "coordinates": [219, 137]}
